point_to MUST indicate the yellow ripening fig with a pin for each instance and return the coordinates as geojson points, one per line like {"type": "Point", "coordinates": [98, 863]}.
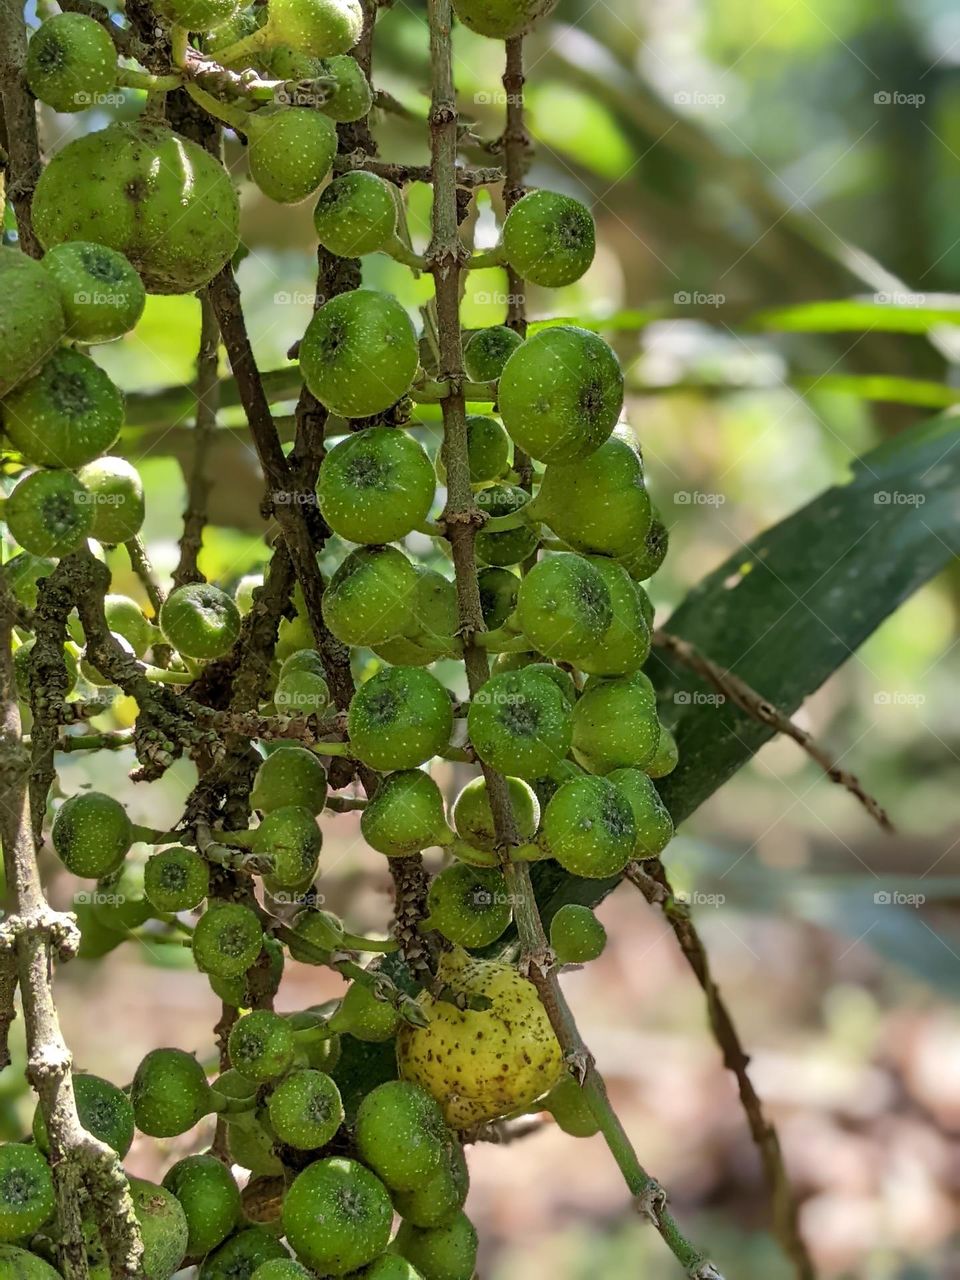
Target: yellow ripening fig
{"type": "Point", "coordinates": [481, 1063]}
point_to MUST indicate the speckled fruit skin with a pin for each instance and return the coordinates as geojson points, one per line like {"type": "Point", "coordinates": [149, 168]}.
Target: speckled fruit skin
{"type": "Point", "coordinates": [498, 595]}
{"type": "Point", "coordinates": [153, 195]}
{"type": "Point", "coordinates": [227, 939]}
{"type": "Point", "coordinates": [116, 499]}
{"type": "Point", "coordinates": [666, 757]}
{"type": "Point", "coordinates": [290, 153]}
{"type": "Point", "coordinates": [26, 1191]}
{"type": "Point", "coordinates": [615, 724]}
{"type": "Point", "coordinates": [488, 351]}
{"type": "Point", "coordinates": [31, 319]}
{"type": "Point", "coordinates": [433, 624]}
{"type": "Point", "coordinates": [589, 828]}
{"type": "Point", "coordinates": [481, 1063]}
{"type": "Point", "coordinates": [501, 19]}
{"type": "Point", "coordinates": [356, 214]}
{"type": "Point", "coordinates": [549, 239]}
{"type": "Point", "coordinates": [359, 353]}
{"type": "Point", "coordinates": [560, 394]}
{"type": "Point", "coordinates": [468, 905]}
{"type": "Point", "coordinates": [290, 776]}
{"type": "Point", "coordinates": [440, 1196]}
{"type": "Point", "coordinates": [654, 824]}
{"type": "Point", "coordinates": [353, 97]}
{"type": "Point", "coordinates": [647, 559]}
{"type": "Point", "coordinates": [17, 1264]}
{"type": "Point", "coordinates": [104, 1111]}
{"type": "Point", "coordinates": [488, 447]}
{"type": "Point", "coordinates": [399, 718]}
{"type": "Point", "coordinates": [564, 607]}
{"type": "Point", "coordinates": [49, 513]}
{"type": "Point", "coordinates": [473, 817]}
{"type": "Point", "coordinates": [365, 1017]}
{"type": "Point", "coordinates": [599, 504]}
{"type": "Point", "coordinates": [125, 617]}
{"type": "Point", "coordinates": [164, 1230]}
{"type": "Point", "coordinates": [520, 723]}
{"type": "Point", "coordinates": [65, 416]}
{"type": "Point", "coordinates": [441, 1253]}
{"type": "Point", "coordinates": [370, 598]}
{"type": "Point", "coordinates": [317, 27]}
{"type": "Point", "coordinates": [305, 1109]}
{"type": "Point", "coordinates": [91, 834]}
{"type": "Point", "coordinates": [625, 645]}
{"type": "Point", "coordinates": [291, 839]}
{"type": "Point", "coordinates": [197, 15]}
{"type": "Point", "coordinates": [200, 620]}
{"type": "Point", "coordinates": [240, 1256]}
{"type": "Point", "coordinates": [71, 62]}
{"type": "Point", "coordinates": [337, 1216]}
{"type": "Point", "coordinates": [509, 546]}
{"type": "Point", "coordinates": [169, 1093]}
{"type": "Point", "coordinates": [400, 1134]}
{"type": "Point", "coordinates": [405, 815]}
{"type": "Point", "coordinates": [576, 935]}
{"type": "Point", "coordinates": [281, 1269]}
{"type": "Point", "coordinates": [261, 1045]}
{"type": "Point", "coordinates": [567, 1105]}
{"type": "Point", "coordinates": [102, 295]}
{"type": "Point", "coordinates": [176, 879]}
{"type": "Point", "coordinates": [375, 486]}
{"type": "Point", "coordinates": [210, 1200]}
{"type": "Point", "coordinates": [390, 1266]}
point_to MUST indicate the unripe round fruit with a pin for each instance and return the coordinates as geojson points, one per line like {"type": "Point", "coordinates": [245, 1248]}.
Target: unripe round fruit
{"type": "Point", "coordinates": [303, 660]}
{"type": "Point", "coordinates": [560, 394]}
{"type": "Point", "coordinates": [95, 677]}
{"type": "Point", "coordinates": [435, 1200]}
{"type": "Point", "coordinates": [116, 499]}
{"type": "Point", "coordinates": [400, 1134]}
{"type": "Point", "coordinates": [67, 415]}
{"type": "Point", "coordinates": [564, 606]}
{"type": "Point", "coordinates": [102, 295]}
{"type": "Point", "coordinates": [432, 625]}
{"type": "Point", "coordinates": [364, 1017]}
{"type": "Point", "coordinates": [71, 62]}
{"type": "Point", "coordinates": [498, 595]}
{"type": "Point", "coordinates": [356, 213]}
{"type": "Point", "coordinates": [302, 693]}
{"type": "Point", "coordinates": [290, 776]}
{"type": "Point", "coordinates": [240, 1256]}
{"type": "Point", "coordinates": [615, 724]}
{"type": "Point", "coordinates": [473, 817]}
{"type": "Point", "coordinates": [32, 320]}
{"type": "Point", "coordinates": [200, 620]}
{"type": "Point", "coordinates": [315, 931]}
{"type": "Point", "coordinates": [468, 905]}
{"type": "Point", "coordinates": [316, 27]}
{"type": "Point", "coordinates": [251, 1146]}
{"type": "Point", "coordinates": [26, 1191]}
{"type": "Point", "coordinates": [598, 504]}
{"type": "Point", "coordinates": [589, 828]}
{"type": "Point", "coordinates": [488, 449]}
{"type": "Point", "coordinates": [237, 992]}
{"type": "Point", "coordinates": [49, 513]}
{"type": "Point", "coordinates": [652, 818]}
{"type": "Point", "coordinates": [125, 618]}
{"type": "Point", "coordinates": [625, 645]}
{"type": "Point", "coordinates": [153, 195]}
{"type": "Point", "coordinates": [337, 1216]}
{"type": "Point", "coordinates": [209, 1198]}
{"type": "Point", "coordinates": [91, 834]}
{"type": "Point", "coordinates": [488, 351]}
{"type": "Point", "coordinates": [390, 1266]}
{"type": "Point", "coordinates": [481, 1063]}
{"type": "Point", "coordinates": [176, 879]}
{"type": "Point", "coordinates": [568, 1106]}
{"type": "Point", "coordinates": [352, 98]}
{"type": "Point", "coordinates": [291, 839]}
{"type": "Point", "coordinates": [240, 24]}
{"type": "Point", "coordinates": [295, 633]}
{"type": "Point", "coordinates": [197, 15]}
{"type": "Point", "coordinates": [399, 718]}
{"type": "Point", "coordinates": [645, 562]}
{"type": "Point", "coordinates": [290, 151]}
{"type": "Point", "coordinates": [576, 935]}
{"type": "Point", "coordinates": [227, 940]}
{"type": "Point", "coordinates": [281, 1269]}
{"type": "Point", "coordinates": [169, 1093]}
{"type": "Point", "coordinates": [440, 1253]}
{"type": "Point", "coordinates": [405, 815]}
{"type": "Point", "coordinates": [120, 903]}
{"type": "Point", "coordinates": [359, 354]}
{"type": "Point", "coordinates": [549, 239]}
{"type": "Point", "coordinates": [163, 1229]}
{"type": "Point", "coordinates": [501, 19]}
{"type": "Point", "coordinates": [261, 1045]}
{"type": "Point", "coordinates": [22, 575]}
{"type": "Point", "coordinates": [104, 1111]}
{"type": "Point", "coordinates": [370, 598]}
{"type": "Point", "coordinates": [305, 1110]}
{"type": "Point", "coordinates": [520, 724]}
{"type": "Point", "coordinates": [376, 485]}
{"type": "Point", "coordinates": [666, 757]}
{"type": "Point", "coordinates": [17, 1264]}
{"type": "Point", "coordinates": [509, 546]}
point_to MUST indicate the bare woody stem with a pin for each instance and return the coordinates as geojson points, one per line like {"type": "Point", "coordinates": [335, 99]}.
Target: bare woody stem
{"type": "Point", "coordinates": [205, 422]}
{"type": "Point", "coordinates": [19, 122]}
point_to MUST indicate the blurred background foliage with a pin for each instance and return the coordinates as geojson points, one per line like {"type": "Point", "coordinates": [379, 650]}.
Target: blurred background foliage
{"type": "Point", "coordinates": [738, 157]}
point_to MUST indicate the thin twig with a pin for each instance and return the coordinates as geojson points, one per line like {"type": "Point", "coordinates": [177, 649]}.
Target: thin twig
{"type": "Point", "coordinates": [400, 174]}
{"type": "Point", "coordinates": [205, 424]}
{"type": "Point", "coordinates": [651, 879]}
{"type": "Point", "coordinates": [20, 123]}
{"type": "Point", "coordinates": [767, 713]}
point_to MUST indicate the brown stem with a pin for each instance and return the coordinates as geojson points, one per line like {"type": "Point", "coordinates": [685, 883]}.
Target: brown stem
{"type": "Point", "coordinates": [198, 484]}
{"type": "Point", "coordinates": [401, 174]}
{"type": "Point", "coordinates": [651, 879]}
{"type": "Point", "coordinates": [20, 123]}
{"type": "Point", "coordinates": [765, 712]}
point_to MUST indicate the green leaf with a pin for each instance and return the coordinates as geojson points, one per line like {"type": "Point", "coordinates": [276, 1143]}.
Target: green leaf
{"type": "Point", "coordinates": [888, 313]}
{"type": "Point", "coordinates": [892, 390]}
